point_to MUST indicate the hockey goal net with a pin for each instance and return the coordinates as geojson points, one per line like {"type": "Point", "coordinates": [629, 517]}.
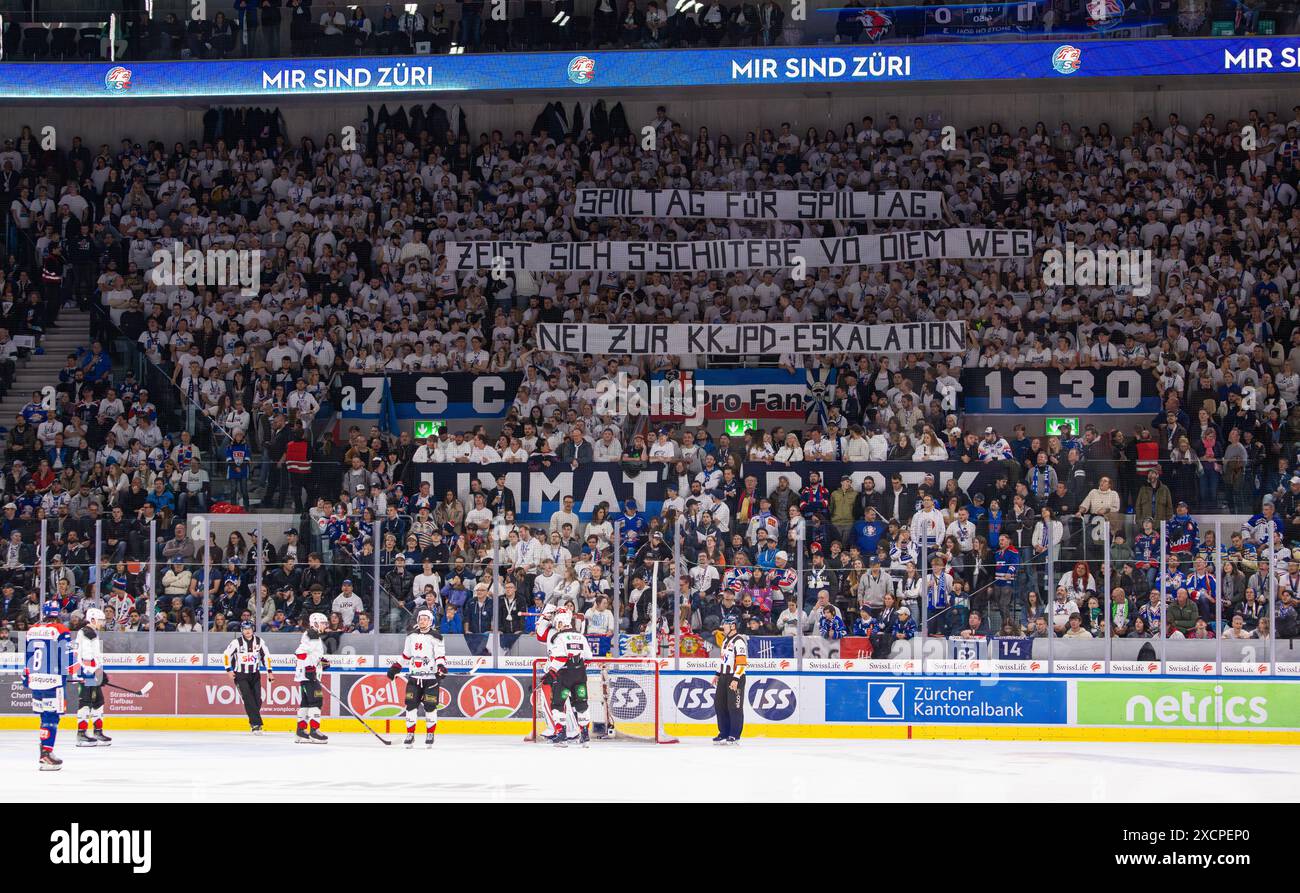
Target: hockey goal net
{"type": "Point", "coordinates": [623, 696]}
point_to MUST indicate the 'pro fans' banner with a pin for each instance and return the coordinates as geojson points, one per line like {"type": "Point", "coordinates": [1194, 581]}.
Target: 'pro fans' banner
{"type": "Point", "coordinates": [1053, 392]}
{"type": "Point", "coordinates": [449, 395]}
{"type": "Point", "coordinates": [743, 393]}
{"type": "Point", "coordinates": [751, 338]}
{"type": "Point", "coordinates": [768, 205]}
{"type": "Point", "coordinates": [741, 254]}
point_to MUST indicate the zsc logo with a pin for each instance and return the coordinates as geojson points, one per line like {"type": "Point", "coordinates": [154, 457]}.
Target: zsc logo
{"type": "Point", "coordinates": [875, 24]}
{"type": "Point", "coordinates": [1067, 59]}
{"type": "Point", "coordinates": [582, 69]}
{"type": "Point", "coordinates": [694, 698]}
{"type": "Point", "coordinates": [118, 79]}
{"type": "Point", "coordinates": [772, 699]}
{"type": "Point", "coordinates": [627, 700]}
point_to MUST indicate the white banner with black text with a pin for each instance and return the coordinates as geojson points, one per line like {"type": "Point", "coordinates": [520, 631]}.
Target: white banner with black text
{"type": "Point", "coordinates": [753, 338]}
{"type": "Point", "coordinates": [740, 254]}
{"type": "Point", "coordinates": [784, 204]}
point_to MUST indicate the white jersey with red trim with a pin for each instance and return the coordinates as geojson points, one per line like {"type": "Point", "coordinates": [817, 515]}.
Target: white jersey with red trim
{"type": "Point", "coordinates": [569, 648]}
{"type": "Point", "coordinates": [309, 653]}
{"type": "Point", "coordinates": [423, 655]}
{"type": "Point", "coordinates": [89, 650]}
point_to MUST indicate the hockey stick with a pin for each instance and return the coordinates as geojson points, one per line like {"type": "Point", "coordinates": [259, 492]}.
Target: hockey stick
{"type": "Point", "coordinates": [345, 706]}
{"type": "Point", "coordinates": [129, 691]}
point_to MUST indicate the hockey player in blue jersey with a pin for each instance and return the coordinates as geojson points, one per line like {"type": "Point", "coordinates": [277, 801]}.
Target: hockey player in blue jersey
{"type": "Point", "coordinates": [49, 661]}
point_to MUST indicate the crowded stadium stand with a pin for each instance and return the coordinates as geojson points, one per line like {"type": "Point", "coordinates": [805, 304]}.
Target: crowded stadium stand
{"type": "Point", "coordinates": [325, 431]}
{"type": "Point", "coordinates": [367, 421]}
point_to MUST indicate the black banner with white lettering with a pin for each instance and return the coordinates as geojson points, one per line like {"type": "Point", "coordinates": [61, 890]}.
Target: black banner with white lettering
{"type": "Point", "coordinates": [540, 491]}
{"type": "Point", "coordinates": [970, 478]}
{"type": "Point", "coordinates": [1054, 392]}
{"type": "Point", "coordinates": [441, 395]}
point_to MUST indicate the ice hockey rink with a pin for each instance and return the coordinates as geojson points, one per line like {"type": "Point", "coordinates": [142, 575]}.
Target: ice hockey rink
{"type": "Point", "coordinates": [184, 767]}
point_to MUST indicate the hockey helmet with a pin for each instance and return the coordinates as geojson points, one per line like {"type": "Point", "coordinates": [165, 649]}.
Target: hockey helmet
{"type": "Point", "coordinates": [425, 614]}
{"type": "Point", "coordinates": [564, 620]}
{"type": "Point", "coordinates": [318, 619]}
{"type": "Point", "coordinates": [94, 614]}
{"type": "Point", "coordinates": [51, 609]}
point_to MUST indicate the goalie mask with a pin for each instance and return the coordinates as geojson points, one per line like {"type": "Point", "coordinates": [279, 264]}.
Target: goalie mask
{"type": "Point", "coordinates": [318, 621]}
{"type": "Point", "coordinates": [564, 621]}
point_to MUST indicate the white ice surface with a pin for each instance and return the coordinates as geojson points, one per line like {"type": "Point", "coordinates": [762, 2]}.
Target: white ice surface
{"type": "Point", "coordinates": [225, 766]}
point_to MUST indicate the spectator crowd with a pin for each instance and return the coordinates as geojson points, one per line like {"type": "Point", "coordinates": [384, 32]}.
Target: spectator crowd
{"type": "Point", "coordinates": [355, 279]}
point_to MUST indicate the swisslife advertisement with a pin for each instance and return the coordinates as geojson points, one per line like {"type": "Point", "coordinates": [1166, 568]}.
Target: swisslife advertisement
{"type": "Point", "coordinates": [1047, 59]}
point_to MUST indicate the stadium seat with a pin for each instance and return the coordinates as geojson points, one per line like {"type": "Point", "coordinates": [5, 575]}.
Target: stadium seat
{"type": "Point", "coordinates": [88, 43]}
{"type": "Point", "coordinates": [63, 42]}
{"type": "Point", "coordinates": [36, 41]}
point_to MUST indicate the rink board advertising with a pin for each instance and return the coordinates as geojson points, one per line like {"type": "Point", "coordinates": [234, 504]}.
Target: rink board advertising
{"type": "Point", "coordinates": [828, 695]}
{"type": "Point", "coordinates": [1056, 59]}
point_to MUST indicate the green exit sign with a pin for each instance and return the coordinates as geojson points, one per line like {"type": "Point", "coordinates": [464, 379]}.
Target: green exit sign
{"type": "Point", "coordinates": [738, 427]}
{"type": "Point", "coordinates": [1054, 425]}
{"type": "Point", "coordinates": [428, 429]}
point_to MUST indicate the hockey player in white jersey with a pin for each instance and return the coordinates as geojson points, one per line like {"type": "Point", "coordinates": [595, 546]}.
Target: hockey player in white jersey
{"type": "Point", "coordinates": [425, 660]}
{"type": "Point", "coordinates": [90, 704]}
{"type": "Point", "coordinates": [567, 653]}
{"type": "Point", "coordinates": [310, 663]}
